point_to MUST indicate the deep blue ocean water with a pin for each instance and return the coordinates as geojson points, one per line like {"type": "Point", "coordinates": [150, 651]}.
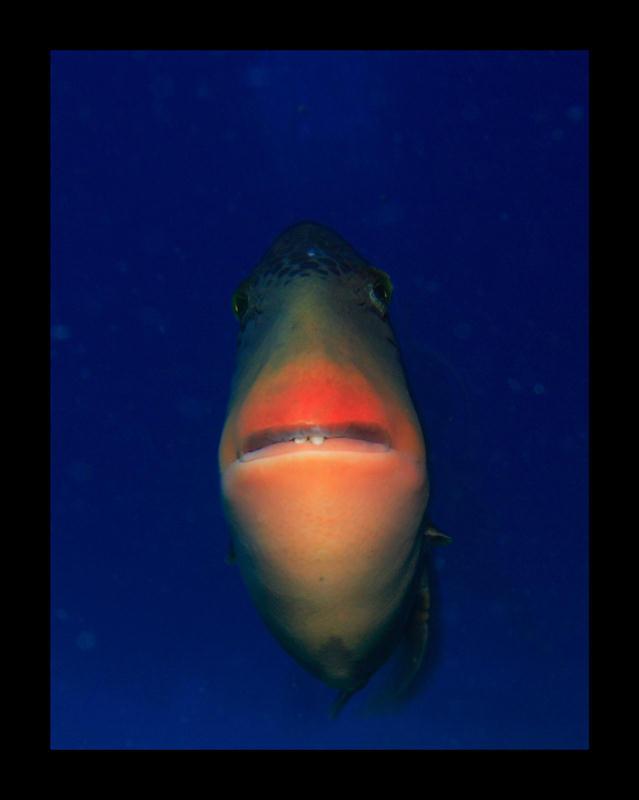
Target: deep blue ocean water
{"type": "Point", "coordinates": [464, 175]}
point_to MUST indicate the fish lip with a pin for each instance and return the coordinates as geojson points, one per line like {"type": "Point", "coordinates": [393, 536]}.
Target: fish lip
{"type": "Point", "coordinates": [361, 431]}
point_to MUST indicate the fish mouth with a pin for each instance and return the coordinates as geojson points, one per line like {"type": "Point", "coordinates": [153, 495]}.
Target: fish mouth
{"type": "Point", "coordinates": [347, 436]}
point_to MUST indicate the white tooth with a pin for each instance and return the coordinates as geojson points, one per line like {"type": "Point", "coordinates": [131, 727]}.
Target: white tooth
{"type": "Point", "coordinates": [299, 439]}
{"type": "Point", "coordinates": [317, 439]}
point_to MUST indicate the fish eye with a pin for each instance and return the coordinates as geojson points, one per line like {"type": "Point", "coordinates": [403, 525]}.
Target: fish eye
{"type": "Point", "coordinates": [239, 303]}
{"type": "Point", "coordinates": [380, 291]}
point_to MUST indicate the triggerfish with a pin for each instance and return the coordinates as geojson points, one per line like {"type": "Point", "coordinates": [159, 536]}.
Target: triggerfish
{"type": "Point", "coordinates": [323, 462]}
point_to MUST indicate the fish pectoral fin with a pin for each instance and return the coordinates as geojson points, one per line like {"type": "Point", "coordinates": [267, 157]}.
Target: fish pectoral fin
{"type": "Point", "coordinates": [230, 556]}
{"type": "Point", "coordinates": [436, 536]}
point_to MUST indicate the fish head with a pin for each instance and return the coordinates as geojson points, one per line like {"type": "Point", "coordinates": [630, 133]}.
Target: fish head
{"type": "Point", "coordinates": [322, 457]}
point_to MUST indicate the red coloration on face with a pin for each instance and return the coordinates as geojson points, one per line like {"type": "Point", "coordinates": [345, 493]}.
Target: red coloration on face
{"type": "Point", "coordinates": [318, 392]}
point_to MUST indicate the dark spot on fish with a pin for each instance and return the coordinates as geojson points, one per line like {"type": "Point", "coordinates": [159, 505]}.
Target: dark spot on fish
{"type": "Point", "coordinates": [308, 245]}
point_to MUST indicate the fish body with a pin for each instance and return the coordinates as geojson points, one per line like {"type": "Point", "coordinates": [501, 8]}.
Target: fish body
{"type": "Point", "coordinates": [323, 460]}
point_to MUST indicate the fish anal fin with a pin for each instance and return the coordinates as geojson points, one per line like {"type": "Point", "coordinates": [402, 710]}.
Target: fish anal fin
{"type": "Point", "coordinates": [340, 701]}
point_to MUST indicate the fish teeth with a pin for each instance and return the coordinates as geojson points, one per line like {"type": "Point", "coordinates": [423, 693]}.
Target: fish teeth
{"type": "Point", "coordinates": [316, 439]}
{"type": "Point", "coordinates": [299, 439]}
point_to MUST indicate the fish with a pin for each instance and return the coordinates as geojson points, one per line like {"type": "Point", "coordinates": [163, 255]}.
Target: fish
{"type": "Point", "coordinates": [323, 465]}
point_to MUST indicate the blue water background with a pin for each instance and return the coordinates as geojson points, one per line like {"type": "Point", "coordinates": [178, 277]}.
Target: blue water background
{"type": "Point", "coordinates": [464, 175]}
